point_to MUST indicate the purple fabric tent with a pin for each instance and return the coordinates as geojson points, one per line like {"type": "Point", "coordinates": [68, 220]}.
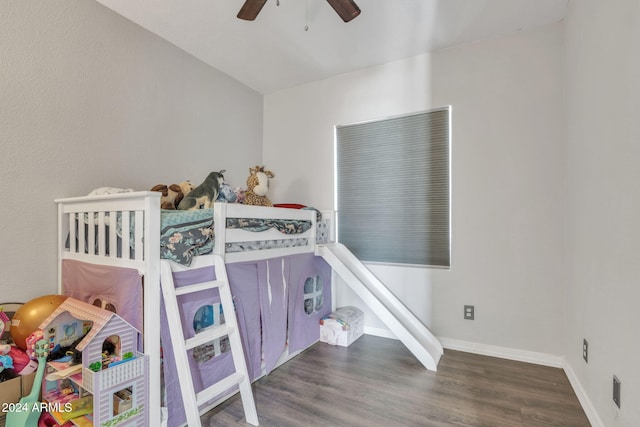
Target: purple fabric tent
{"type": "Point", "coordinates": [269, 298]}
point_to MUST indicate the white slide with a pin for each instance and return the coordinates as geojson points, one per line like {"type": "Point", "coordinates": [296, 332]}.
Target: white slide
{"type": "Point", "coordinates": [395, 315]}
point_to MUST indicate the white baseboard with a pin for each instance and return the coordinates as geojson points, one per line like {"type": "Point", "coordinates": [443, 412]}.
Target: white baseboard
{"type": "Point", "coordinates": [530, 357]}
{"type": "Point", "coordinates": [587, 405]}
{"type": "Point", "coordinates": [503, 352]}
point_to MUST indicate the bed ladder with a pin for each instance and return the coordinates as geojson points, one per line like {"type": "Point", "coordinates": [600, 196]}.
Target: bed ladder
{"type": "Point", "coordinates": [192, 400]}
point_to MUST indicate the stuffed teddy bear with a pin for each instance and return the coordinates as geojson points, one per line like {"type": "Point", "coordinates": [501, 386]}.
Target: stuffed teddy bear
{"type": "Point", "coordinates": [172, 195]}
{"type": "Point", "coordinates": [258, 186]}
{"type": "Point", "coordinates": [205, 194]}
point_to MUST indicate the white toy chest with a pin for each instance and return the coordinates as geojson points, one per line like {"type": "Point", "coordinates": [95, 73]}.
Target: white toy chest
{"type": "Point", "coordinates": [342, 327]}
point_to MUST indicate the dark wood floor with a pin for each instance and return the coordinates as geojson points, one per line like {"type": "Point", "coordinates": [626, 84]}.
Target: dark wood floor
{"type": "Point", "coordinates": [377, 382]}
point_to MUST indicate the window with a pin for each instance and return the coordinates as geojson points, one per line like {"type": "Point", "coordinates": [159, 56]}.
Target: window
{"type": "Point", "coordinates": [313, 294]}
{"type": "Point", "coordinates": [205, 317]}
{"type": "Point", "coordinates": [111, 351]}
{"type": "Point", "coordinates": [122, 401]}
{"type": "Point", "coordinates": [393, 188]}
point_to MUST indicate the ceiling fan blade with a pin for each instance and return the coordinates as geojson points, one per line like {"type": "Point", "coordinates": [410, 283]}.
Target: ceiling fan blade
{"type": "Point", "coordinates": [250, 9]}
{"type": "Point", "coordinates": [347, 9]}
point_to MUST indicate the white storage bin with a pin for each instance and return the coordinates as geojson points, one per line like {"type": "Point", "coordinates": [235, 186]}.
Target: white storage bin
{"type": "Point", "coordinates": [342, 327]}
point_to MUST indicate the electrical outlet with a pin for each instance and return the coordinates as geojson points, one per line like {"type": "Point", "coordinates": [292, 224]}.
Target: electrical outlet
{"type": "Point", "coordinates": [469, 312]}
{"type": "Point", "coordinates": [616, 390]}
{"type": "Point", "coordinates": [585, 350]}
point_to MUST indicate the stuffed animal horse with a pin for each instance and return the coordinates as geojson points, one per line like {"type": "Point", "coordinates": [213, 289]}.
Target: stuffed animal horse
{"type": "Point", "coordinates": [258, 186]}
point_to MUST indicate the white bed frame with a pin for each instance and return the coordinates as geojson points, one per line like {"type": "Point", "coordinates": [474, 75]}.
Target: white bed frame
{"type": "Point", "coordinates": [145, 206]}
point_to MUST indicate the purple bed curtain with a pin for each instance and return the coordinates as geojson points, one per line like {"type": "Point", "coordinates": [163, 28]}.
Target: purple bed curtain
{"type": "Point", "coordinates": [113, 288]}
{"type": "Point", "coordinates": [273, 310]}
{"type": "Point", "coordinates": [304, 321]}
{"type": "Point", "coordinates": [245, 281]}
{"type": "Point", "coordinates": [269, 301]}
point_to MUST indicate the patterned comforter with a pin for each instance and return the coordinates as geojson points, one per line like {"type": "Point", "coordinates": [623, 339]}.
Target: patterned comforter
{"type": "Point", "coordinates": [185, 234]}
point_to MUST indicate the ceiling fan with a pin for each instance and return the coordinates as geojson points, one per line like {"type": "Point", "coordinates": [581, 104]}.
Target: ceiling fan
{"type": "Point", "coordinates": [346, 9]}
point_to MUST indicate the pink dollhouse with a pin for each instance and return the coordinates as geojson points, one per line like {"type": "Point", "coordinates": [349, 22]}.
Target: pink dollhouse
{"type": "Point", "coordinates": [108, 387]}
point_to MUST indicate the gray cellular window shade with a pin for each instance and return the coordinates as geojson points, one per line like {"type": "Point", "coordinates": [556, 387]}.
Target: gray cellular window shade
{"type": "Point", "coordinates": [393, 189]}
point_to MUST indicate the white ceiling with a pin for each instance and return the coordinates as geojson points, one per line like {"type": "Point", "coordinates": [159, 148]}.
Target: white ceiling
{"type": "Point", "coordinates": [275, 52]}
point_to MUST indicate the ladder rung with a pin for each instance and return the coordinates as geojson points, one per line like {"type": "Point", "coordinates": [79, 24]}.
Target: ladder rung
{"type": "Point", "coordinates": [199, 287]}
{"type": "Point", "coordinates": [219, 387]}
{"type": "Point", "coordinates": [208, 335]}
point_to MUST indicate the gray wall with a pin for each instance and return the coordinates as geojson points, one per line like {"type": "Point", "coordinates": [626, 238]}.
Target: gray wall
{"type": "Point", "coordinates": [89, 99]}
{"type": "Point", "coordinates": [508, 191]}
{"type": "Point", "coordinates": [603, 200]}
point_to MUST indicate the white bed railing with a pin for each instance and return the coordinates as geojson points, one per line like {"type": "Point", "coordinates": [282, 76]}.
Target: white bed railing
{"type": "Point", "coordinates": [87, 226]}
{"type": "Point", "coordinates": [225, 236]}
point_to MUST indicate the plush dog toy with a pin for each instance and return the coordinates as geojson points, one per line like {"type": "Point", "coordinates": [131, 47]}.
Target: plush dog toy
{"type": "Point", "coordinates": [258, 186]}
{"type": "Point", "coordinates": [172, 195]}
{"type": "Point", "coordinates": [205, 194]}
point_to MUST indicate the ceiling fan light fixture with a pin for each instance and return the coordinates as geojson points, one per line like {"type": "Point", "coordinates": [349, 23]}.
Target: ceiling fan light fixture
{"type": "Point", "coordinates": [346, 9]}
{"type": "Point", "coordinates": [250, 9]}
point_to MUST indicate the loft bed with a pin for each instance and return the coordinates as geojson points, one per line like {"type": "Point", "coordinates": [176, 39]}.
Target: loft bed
{"type": "Point", "coordinates": [125, 232]}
